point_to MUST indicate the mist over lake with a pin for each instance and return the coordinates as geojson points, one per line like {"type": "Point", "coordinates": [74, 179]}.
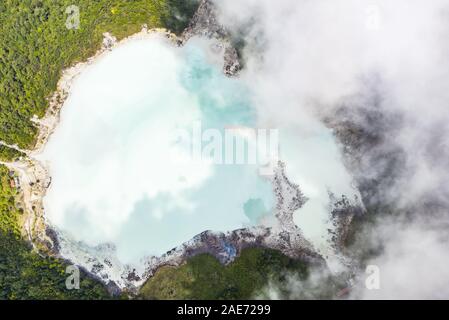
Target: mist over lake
{"type": "Point", "coordinates": [113, 180]}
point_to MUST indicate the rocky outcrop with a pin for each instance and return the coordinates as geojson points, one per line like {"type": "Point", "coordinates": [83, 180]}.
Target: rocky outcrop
{"type": "Point", "coordinates": [109, 40]}
{"type": "Point", "coordinates": [289, 198]}
{"type": "Point", "coordinates": [101, 261]}
{"type": "Point", "coordinates": [205, 24]}
{"type": "Point", "coordinates": [226, 247]}
{"type": "Point", "coordinates": [364, 130]}
{"type": "Point", "coordinates": [342, 213]}
{"type": "Point", "coordinates": [284, 235]}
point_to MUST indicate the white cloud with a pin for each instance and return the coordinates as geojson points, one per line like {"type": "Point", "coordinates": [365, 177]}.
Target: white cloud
{"type": "Point", "coordinates": [308, 58]}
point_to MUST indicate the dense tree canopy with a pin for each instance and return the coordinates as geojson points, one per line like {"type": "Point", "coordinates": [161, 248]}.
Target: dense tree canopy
{"type": "Point", "coordinates": [203, 277]}
{"type": "Point", "coordinates": [36, 45]}
{"type": "Point", "coordinates": [24, 274]}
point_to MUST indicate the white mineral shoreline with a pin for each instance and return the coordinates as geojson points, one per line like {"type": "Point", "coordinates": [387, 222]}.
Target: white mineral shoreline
{"type": "Point", "coordinates": [36, 179]}
{"type": "Point", "coordinates": [50, 121]}
{"type": "Point", "coordinates": [33, 173]}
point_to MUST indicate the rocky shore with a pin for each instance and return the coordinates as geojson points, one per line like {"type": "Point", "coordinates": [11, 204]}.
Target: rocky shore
{"type": "Point", "coordinates": [205, 24]}
{"type": "Point", "coordinates": [34, 174]}
{"type": "Point", "coordinates": [101, 261]}
{"type": "Point", "coordinates": [284, 236]}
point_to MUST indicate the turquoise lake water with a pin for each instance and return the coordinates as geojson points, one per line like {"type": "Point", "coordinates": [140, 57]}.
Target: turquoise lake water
{"type": "Point", "coordinates": [113, 180]}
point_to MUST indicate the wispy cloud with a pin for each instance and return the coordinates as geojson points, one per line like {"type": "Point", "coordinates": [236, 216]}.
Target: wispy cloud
{"type": "Point", "coordinates": [386, 63]}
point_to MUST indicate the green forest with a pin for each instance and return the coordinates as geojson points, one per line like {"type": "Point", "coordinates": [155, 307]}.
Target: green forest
{"type": "Point", "coordinates": [24, 274]}
{"type": "Point", "coordinates": [35, 46]}
{"type": "Point", "coordinates": [9, 154]}
{"type": "Point", "coordinates": [204, 278]}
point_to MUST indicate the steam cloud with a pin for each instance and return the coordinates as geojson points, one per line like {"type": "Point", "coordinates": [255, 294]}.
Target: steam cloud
{"type": "Point", "coordinates": [379, 66]}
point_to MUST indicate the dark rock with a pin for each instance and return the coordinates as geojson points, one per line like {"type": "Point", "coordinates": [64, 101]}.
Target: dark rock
{"type": "Point", "coordinates": [205, 24]}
